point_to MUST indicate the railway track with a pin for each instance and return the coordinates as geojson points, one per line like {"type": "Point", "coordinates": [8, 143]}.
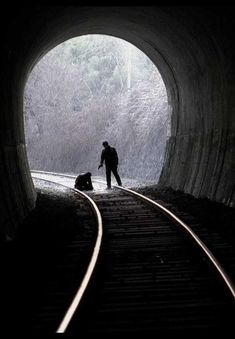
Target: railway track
{"type": "Point", "coordinates": [153, 274]}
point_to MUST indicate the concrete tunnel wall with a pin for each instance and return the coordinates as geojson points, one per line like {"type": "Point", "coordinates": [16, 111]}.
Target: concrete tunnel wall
{"type": "Point", "coordinates": [193, 48]}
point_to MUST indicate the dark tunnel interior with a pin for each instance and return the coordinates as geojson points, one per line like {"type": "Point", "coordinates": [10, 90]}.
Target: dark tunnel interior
{"type": "Point", "coordinates": [193, 48]}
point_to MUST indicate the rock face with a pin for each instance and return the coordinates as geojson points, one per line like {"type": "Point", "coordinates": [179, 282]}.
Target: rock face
{"type": "Point", "coordinates": [193, 48]}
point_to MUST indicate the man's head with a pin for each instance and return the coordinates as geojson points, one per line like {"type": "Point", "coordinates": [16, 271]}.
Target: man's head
{"type": "Point", "coordinates": [105, 144]}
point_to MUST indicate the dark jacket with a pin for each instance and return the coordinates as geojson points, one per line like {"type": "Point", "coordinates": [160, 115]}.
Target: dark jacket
{"type": "Point", "coordinates": [109, 156]}
{"type": "Point", "coordinates": [83, 182]}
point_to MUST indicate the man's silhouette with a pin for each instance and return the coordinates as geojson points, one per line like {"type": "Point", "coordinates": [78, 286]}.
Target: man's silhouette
{"type": "Point", "coordinates": [110, 157]}
{"type": "Point", "coordinates": [83, 182]}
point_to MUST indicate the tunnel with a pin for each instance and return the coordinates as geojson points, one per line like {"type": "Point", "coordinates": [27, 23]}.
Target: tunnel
{"type": "Point", "coordinates": [193, 48]}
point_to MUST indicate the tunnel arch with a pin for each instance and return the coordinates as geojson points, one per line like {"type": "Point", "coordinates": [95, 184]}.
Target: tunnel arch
{"type": "Point", "coordinates": [194, 61]}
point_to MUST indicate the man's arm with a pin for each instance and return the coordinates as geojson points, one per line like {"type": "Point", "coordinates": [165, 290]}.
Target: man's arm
{"type": "Point", "coordinates": [102, 159]}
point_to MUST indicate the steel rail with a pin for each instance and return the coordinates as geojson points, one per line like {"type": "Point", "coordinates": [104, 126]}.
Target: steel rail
{"type": "Point", "coordinates": [78, 296]}
{"type": "Point", "coordinates": [227, 280]}
{"type": "Point", "coordinates": [225, 277]}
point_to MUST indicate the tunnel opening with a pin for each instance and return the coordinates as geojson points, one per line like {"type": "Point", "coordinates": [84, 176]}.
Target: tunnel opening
{"type": "Point", "coordinates": [92, 88]}
{"type": "Point", "coordinates": [191, 48]}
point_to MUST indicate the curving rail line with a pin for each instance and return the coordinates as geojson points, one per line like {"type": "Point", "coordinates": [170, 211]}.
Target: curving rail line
{"type": "Point", "coordinates": [78, 296]}
{"type": "Point", "coordinates": [226, 279]}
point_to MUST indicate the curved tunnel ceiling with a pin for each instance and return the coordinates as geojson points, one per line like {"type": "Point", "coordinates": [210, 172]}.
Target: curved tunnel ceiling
{"type": "Point", "coordinates": [189, 48]}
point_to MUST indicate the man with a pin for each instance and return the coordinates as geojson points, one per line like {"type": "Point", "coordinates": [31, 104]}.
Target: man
{"type": "Point", "coordinates": [110, 157]}
{"type": "Point", "coordinates": [83, 182]}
